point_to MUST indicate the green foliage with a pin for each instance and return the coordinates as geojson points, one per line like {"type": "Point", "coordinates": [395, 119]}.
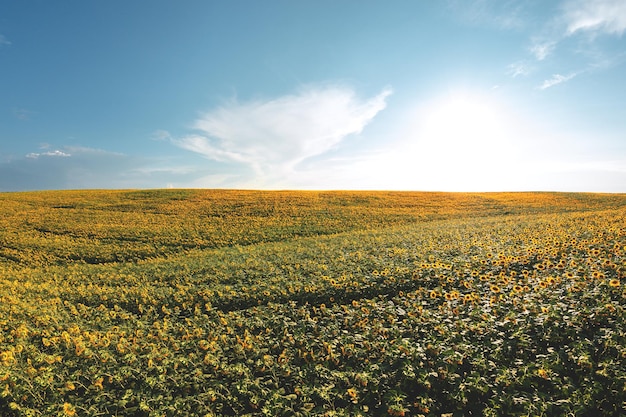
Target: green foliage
{"type": "Point", "coordinates": [200, 303]}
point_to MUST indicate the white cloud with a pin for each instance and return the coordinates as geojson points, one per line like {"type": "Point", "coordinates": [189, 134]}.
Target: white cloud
{"type": "Point", "coordinates": [541, 50]}
{"type": "Point", "coordinates": [202, 145]}
{"type": "Point", "coordinates": [520, 68]}
{"type": "Point", "coordinates": [57, 153]}
{"type": "Point", "coordinates": [605, 16]}
{"type": "Point", "coordinates": [4, 41]}
{"type": "Point", "coordinates": [274, 136]}
{"type": "Point", "coordinates": [556, 79]}
{"type": "Point", "coordinates": [579, 23]}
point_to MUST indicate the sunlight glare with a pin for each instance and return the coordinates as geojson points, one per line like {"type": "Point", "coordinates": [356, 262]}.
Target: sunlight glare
{"type": "Point", "coordinates": [464, 129]}
{"type": "Point", "coordinates": [462, 142]}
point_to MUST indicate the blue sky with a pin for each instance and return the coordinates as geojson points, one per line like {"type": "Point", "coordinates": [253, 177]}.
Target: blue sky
{"type": "Point", "coordinates": [456, 95]}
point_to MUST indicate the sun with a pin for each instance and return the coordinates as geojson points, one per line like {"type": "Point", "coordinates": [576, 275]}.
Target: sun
{"type": "Point", "coordinates": [462, 141]}
{"type": "Point", "coordinates": [466, 127]}
{"type": "Point", "coordinates": [456, 141]}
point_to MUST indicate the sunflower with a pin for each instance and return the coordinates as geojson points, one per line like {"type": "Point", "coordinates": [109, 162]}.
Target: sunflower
{"type": "Point", "coordinates": [494, 288]}
{"type": "Point", "coordinates": [69, 410]}
{"type": "Point", "coordinates": [353, 394]}
{"type": "Point", "coordinates": [98, 383]}
{"type": "Point", "coordinates": [614, 283]}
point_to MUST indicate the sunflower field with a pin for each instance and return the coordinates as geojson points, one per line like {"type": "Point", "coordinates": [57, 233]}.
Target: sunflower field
{"type": "Point", "coordinates": [311, 303]}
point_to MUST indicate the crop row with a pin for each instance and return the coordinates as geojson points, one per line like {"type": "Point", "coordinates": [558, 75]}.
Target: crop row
{"type": "Point", "coordinates": [96, 227]}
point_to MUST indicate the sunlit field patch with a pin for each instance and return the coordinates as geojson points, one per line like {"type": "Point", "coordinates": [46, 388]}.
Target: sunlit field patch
{"type": "Point", "coordinates": [190, 302]}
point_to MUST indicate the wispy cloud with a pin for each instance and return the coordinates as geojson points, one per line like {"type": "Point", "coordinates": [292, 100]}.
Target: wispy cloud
{"type": "Point", "coordinates": [4, 41]}
{"type": "Point", "coordinates": [578, 23]}
{"type": "Point", "coordinates": [555, 80]}
{"type": "Point", "coordinates": [77, 167]}
{"type": "Point", "coordinates": [273, 136]}
{"type": "Point", "coordinates": [520, 68]}
{"type": "Point", "coordinates": [595, 16]}
{"type": "Point", "coordinates": [542, 49]}
{"type": "Point", "coordinates": [502, 14]}
{"type": "Point", "coordinates": [573, 17]}
{"type": "Point", "coordinates": [56, 153]}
